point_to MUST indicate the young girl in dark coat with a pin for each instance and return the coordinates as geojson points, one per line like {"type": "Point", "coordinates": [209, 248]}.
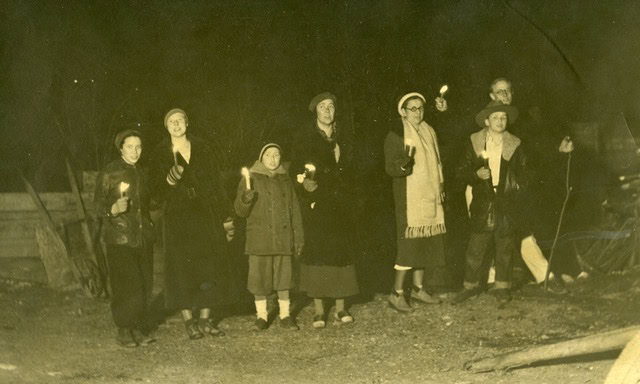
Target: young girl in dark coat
{"type": "Point", "coordinates": [274, 233]}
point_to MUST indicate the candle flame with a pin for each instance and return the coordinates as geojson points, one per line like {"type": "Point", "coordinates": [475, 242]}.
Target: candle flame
{"type": "Point", "coordinates": [124, 186]}
{"type": "Point", "coordinates": [245, 171]}
{"type": "Point", "coordinates": [310, 167]}
{"type": "Point", "coordinates": [444, 89]}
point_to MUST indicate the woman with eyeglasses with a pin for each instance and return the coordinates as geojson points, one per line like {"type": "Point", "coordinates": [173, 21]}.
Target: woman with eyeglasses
{"type": "Point", "coordinates": [412, 159]}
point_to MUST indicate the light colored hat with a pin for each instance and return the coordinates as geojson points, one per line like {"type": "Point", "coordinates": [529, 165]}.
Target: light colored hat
{"type": "Point", "coordinates": [175, 110]}
{"type": "Point", "coordinates": [408, 96]}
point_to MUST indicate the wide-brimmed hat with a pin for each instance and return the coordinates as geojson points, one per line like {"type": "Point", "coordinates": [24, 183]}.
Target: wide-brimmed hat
{"type": "Point", "coordinates": [407, 97]}
{"type": "Point", "coordinates": [496, 106]}
{"type": "Point", "coordinates": [123, 135]}
{"type": "Point", "coordinates": [317, 99]}
{"type": "Point", "coordinates": [175, 110]}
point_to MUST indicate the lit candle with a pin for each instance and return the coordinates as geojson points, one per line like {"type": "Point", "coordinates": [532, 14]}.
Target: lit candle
{"type": "Point", "coordinates": [247, 177]}
{"type": "Point", "coordinates": [310, 170]}
{"type": "Point", "coordinates": [175, 155]}
{"type": "Point", "coordinates": [485, 157]}
{"type": "Point", "coordinates": [123, 188]}
{"type": "Point", "coordinates": [443, 90]}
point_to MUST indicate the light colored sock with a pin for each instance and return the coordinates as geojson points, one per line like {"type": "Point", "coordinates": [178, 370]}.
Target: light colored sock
{"type": "Point", "coordinates": [319, 306]}
{"type": "Point", "coordinates": [284, 308]}
{"type": "Point", "coordinates": [261, 309]}
{"type": "Point", "coordinates": [339, 305]}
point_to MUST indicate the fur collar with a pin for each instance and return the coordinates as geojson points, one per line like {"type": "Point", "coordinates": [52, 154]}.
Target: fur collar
{"type": "Point", "coordinates": [259, 168]}
{"type": "Point", "coordinates": [509, 143]}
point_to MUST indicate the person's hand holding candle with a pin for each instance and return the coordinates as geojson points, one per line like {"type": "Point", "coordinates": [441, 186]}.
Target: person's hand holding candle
{"type": "Point", "coordinates": [122, 204]}
{"type": "Point", "coordinates": [408, 160]}
{"type": "Point", "coordinates": [484, 172]}
{"type": "Point", "coordinates": [441, 102]}
{"type": "Point", "coordinates": [309, 171]}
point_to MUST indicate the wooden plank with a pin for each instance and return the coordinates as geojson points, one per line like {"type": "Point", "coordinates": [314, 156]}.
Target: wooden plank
{"type": "Point", "coordinates": [602, 342]}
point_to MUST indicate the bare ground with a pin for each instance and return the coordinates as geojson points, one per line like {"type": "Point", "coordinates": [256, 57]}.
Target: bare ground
{"type": "Point", "coordinates": [51, 337]}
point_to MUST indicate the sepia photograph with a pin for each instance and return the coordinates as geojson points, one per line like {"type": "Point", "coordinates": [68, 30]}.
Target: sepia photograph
{"type": "Point", "coordinates": [300, 191]}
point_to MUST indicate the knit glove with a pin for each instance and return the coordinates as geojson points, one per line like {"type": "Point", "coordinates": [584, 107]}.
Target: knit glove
{"type": "Point", "coordinates": [310, 185]}
{"type": "Point", "coordinates": [175, 174]}
{"type": "Point", "coordinates": [248, 195]}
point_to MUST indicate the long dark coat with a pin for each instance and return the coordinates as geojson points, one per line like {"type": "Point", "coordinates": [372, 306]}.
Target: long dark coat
{"type": "Point", "coordinates": [326, 212]}
{"type": "Point", "coordinates": [195, 246]}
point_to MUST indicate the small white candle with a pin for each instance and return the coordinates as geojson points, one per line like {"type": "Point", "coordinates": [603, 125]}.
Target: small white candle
{"type": "Point", "coordinates": [247, 177]}
{"type": "Point", "coordinates": [485, 157]}
{"type": "Point", "coordinates": [310, 170]}
{"type": "Point", "coordinates": [123, 188]}
{"type": "Point", "coordinates": [443, 90]}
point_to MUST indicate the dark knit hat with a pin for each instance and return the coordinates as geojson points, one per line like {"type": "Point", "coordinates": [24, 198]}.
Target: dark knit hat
{"type": "Point", "coordinates": [497, 106]}
{"type": "Point", "coordinates": [267, 146]}
{"type": "Point", "coordinates": [175, 110]}
{"type": "Point", "coordinates": [123, 135]}
{"type": "Point", "coordinates": [317, 99]}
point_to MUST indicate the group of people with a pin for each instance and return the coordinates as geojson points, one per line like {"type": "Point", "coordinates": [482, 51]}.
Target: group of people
{"type": "Point", "coordinates": [297, 214]}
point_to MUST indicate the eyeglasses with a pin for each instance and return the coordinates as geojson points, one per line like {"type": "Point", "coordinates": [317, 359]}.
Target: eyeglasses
{"type": "Point", "coordinates": [415, 109]}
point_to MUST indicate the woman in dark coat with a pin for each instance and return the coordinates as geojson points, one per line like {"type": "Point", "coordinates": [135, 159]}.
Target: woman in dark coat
{"type": "Point", "coordinates": [185, 176]}
{"type": "Point", "coordinates": [321, 159]}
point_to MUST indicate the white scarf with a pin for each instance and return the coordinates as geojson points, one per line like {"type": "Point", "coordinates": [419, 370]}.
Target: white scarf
{"type": "Point", "coordinates": [425, 215]}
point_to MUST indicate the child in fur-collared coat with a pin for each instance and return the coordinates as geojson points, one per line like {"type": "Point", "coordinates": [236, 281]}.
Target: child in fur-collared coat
{"type": "Point", "coordinates": [274, 233]}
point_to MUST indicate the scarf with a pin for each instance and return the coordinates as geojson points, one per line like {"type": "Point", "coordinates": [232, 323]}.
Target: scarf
{"type": "Point", "coordinates": [425, 214]}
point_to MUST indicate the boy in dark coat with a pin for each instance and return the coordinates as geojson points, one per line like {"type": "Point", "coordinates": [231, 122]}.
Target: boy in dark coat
{"type": "Point", "coordinates": [274, 233]}
{"type": "Point", "coordinates": [495, 167]}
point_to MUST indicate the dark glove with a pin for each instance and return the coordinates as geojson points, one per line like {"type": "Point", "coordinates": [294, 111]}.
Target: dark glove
{"type": "Point", "coordinates": [248, 195]}
{"type": "Point", "coordinates": [407, 161]}
{"type": "Point", "coordinates": [175, 174]}
{"type": "Point", "coordinates": [310, 185]}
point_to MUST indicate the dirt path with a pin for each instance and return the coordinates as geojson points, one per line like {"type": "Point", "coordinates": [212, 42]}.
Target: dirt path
{"type": "Point", "coordinates": [52, 337]}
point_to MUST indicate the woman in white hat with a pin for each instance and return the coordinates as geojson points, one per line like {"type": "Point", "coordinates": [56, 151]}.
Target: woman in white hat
{"type": "Point", "coordinates": [412, 159]}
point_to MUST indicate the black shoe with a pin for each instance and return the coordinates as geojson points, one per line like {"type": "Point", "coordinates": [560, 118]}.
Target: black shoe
{"type": "Point", "coordinates": [288, 323]}
{"type": "Point", "coordinates": [465, 295]}
{"type": "Point", "coordinates": [192, 329]}
{"type": "Point", "coordinates": [556, 286]}
{"type": "Point", "coordinates": [124, 338]}
{"type": "Point", "coordinates": [502, 295]}
{"type": "Point", "coordinates": [141, 338]}
{"type": "Point", "coordinates": [208, 327]}
{"type": "Point", "coordinates": [398, 302]}
{"type": "Point", "coordinates": [260, 325]}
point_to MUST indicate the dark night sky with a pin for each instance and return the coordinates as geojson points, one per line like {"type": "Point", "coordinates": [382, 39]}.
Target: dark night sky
{"type": "Point", "coordinates": [73, 73]}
